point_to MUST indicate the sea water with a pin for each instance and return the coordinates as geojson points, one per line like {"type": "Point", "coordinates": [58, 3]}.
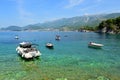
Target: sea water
{"type": "Point", "coordinates": [71, 58]}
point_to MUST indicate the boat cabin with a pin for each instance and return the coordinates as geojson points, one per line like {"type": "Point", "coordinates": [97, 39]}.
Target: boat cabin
{"type": "Point", "coordinates": [25, 45]}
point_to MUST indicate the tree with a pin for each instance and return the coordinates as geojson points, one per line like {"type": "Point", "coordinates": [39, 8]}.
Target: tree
{"type": "Point", "coordinates": [111, 25]}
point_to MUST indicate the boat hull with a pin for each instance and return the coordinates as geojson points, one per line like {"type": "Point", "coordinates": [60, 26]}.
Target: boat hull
{"type": "Point", "coordinates": [49, 45]}
{"type": "Point", "coordinates": [27, 55]}
{"type": "Point", "coordinates": [95, 45]}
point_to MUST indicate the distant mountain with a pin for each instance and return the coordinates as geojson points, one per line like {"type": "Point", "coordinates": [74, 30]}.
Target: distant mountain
{"type": "Point", "coordinates": [69, 23]}
{"type": "Point", "coordinates": [12, 28]}
{"type": "Point", "coordinates": [74, 22]}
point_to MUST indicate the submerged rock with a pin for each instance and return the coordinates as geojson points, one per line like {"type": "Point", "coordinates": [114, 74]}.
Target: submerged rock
{"type": "Point", "coordinates": [91, 79]}
{"type": "Point", "coordinates": [61, 79]}
{"type": "Point", "coordinates": [102, 78]}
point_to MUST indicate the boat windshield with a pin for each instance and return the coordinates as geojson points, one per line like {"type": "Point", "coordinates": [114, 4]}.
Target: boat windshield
{"type": "Point", "coordinates": [25, 45]}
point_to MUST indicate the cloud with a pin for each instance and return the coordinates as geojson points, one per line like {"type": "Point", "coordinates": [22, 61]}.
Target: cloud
{"type": "Point", "coordinates": [73, 3]}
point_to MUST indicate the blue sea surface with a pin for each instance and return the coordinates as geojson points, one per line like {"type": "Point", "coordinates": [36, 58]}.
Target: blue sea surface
{"type": "Point", "coordinates": [71, 58]}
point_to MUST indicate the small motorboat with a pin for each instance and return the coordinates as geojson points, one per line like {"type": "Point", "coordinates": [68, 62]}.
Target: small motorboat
{"type": "Point", "coordinates": [57, 37]}
{"type": "Point", "coordinates": [16, 37]}
{"type": "Point", "coordinates": [27, 51]}
{"type": "Point", "coordinates": [49, 45]}
{"type": "Point", "coordinates": [95, 45]}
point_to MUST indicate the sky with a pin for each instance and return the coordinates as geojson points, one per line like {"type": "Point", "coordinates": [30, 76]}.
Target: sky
{"type": "Point", "coordinates": [26, 12]}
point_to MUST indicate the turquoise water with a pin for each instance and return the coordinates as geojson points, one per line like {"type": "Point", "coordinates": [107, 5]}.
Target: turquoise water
{"type": "Point", "coordinates": [71, 58]}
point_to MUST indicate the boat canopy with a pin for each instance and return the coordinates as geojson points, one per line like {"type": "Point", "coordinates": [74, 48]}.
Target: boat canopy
{"type": "Point", "coordinates": [25, 44]}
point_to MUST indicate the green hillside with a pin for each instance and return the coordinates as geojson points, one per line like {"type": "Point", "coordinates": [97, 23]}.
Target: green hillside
{"type": "Point", "coordinates": [110, 26]}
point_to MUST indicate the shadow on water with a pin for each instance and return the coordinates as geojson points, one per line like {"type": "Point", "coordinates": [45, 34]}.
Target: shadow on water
{"type": "Point", "coordinates": [28, 60]}
{"type": "Point", "coordinates": [97, 48]}
{"type": "Point", "coordinates": [108, 36]}
{"type": "Point", "coordinates": [103, 35]}
{"type": "Point", "coordinates": [50, 47]}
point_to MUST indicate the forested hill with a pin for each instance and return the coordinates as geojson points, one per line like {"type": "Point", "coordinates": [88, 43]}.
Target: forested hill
{"type": "Point", "coordinates": [110, 26]}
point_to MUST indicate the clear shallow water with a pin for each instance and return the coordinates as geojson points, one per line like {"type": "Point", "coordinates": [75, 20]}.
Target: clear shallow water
{"type": "Point", "coordinates": [70, 59]}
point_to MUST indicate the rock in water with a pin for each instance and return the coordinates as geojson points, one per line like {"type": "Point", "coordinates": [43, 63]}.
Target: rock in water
{"type": "Point", "coordinates": [102, 78]}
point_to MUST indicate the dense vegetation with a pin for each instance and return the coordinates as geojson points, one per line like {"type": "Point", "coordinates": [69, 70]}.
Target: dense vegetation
{"type": "Point", "coordinates": [110, 26]}
{"type": "Point", "coordinates": [88, 28]}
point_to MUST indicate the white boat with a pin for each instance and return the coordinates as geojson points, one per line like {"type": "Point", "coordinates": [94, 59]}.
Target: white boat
{"type": "Point", "coordinates": [16, 37]}
{"type": "Point", "coordinates": [27, 51]}
{"type": "Point", "coordinates": [57, 37]}
{"type": "Point", "coordinates": [49, 45]}
{"type": "Point", "coordinates": [95, 45]}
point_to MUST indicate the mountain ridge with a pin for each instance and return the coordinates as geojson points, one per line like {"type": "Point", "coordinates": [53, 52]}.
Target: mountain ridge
{"type": "Point", "coordinates": [72, 23]}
